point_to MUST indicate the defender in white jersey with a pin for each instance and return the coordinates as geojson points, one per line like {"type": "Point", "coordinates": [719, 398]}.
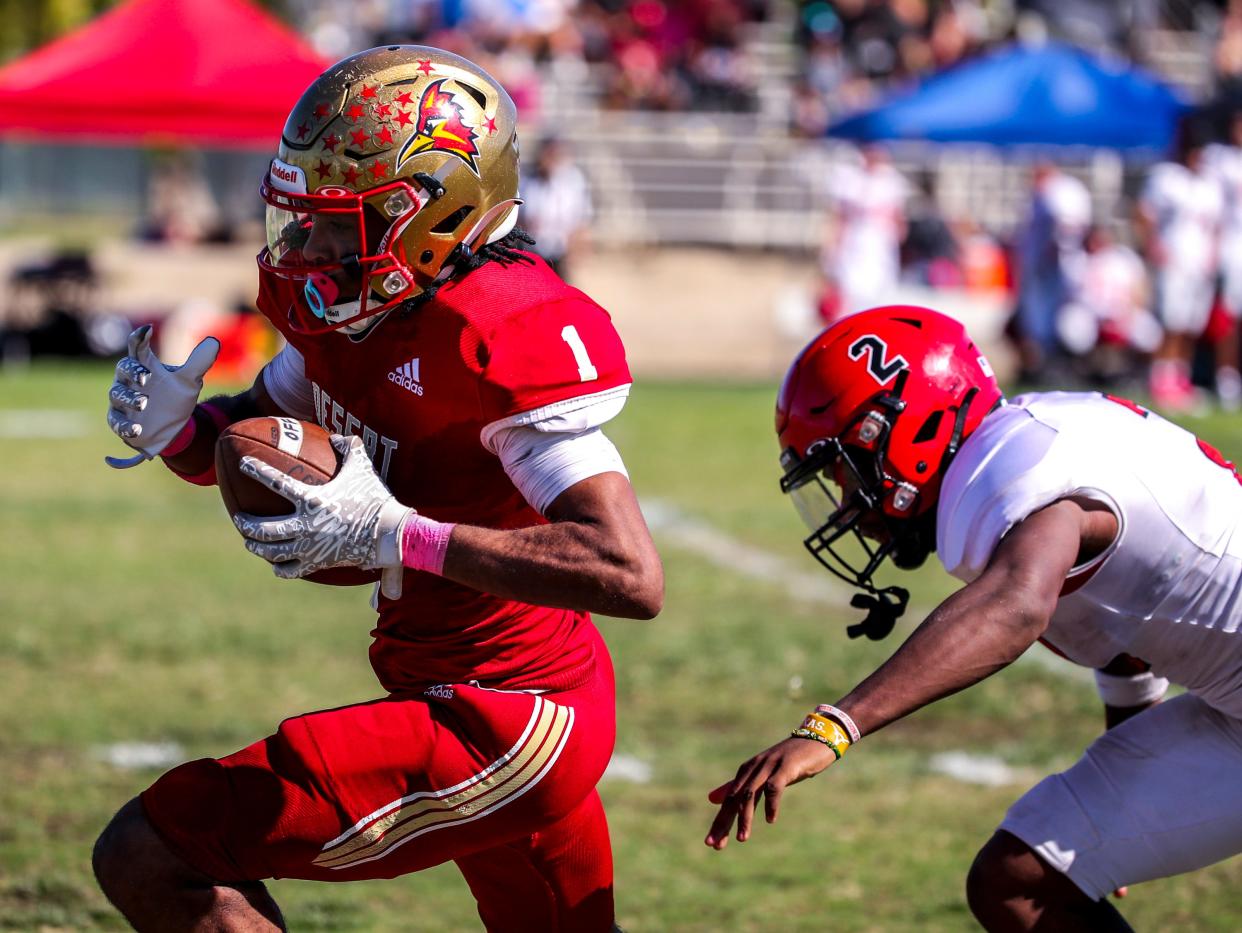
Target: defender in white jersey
{"type": "Point", "coordinates": [1078, 519]}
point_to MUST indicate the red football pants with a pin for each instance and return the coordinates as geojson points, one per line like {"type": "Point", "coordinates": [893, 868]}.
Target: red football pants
{"type": "Point", "coordinates": [502, 783]}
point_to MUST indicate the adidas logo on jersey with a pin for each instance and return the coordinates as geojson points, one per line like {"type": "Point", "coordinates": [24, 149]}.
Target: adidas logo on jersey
{"type": "Point", "coordinates": [406, 376]}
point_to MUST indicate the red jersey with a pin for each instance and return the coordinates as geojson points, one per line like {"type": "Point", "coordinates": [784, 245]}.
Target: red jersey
{"type": "Point", "coordinates": [419, 389]}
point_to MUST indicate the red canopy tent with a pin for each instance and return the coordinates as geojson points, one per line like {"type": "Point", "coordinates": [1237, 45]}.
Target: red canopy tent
{"type": "Point", "coordinates": [219, 73]}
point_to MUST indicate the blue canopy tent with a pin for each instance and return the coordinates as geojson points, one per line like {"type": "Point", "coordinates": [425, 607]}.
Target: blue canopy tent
{"type": "Point", "coordinates": [1053, 95]}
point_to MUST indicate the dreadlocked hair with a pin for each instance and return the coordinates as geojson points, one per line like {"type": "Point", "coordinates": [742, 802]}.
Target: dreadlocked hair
{"type": "Point", "coordinates": [506, 251]}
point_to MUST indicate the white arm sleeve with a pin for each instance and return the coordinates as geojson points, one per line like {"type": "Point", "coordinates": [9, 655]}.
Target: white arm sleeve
{"type": "Point", "coordinates": [544, 452]}
{"type": "Point", "coordinates": [284, 377]}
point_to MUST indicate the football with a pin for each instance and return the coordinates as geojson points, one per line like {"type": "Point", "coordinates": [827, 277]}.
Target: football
{"type": "Point", "coordinates": [299, 448]}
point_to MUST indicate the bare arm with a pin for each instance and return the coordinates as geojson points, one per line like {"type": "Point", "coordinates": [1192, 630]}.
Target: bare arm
{"type": "Point", "coordinates": [596, 554]}
{"type": "Point", "coordinates": [974, 633]}
{"type": "Point", "coordinates": [981, 628]}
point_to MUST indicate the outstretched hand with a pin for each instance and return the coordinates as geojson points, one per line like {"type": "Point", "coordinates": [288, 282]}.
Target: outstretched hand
{"type": "Point", "coordinates": [765, 775]}
{"type": "Point", "coordinates": [150, 401]}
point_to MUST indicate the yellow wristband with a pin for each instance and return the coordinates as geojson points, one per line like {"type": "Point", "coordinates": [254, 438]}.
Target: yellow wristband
{"type": "Point", "coordinates": [822, 729]}
{"type": "Point", "coordinates": [830, 729]}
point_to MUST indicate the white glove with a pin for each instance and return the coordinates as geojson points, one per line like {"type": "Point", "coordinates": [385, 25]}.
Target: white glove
{"type": "Point", "coordinates": [350, 521]}
{"type": "Point", "coordinates": [149, 401]}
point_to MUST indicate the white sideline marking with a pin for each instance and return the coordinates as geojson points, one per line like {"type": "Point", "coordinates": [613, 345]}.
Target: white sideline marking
{"type": "Point", "coordinates": [628, 768]}
{"type": "Point", "coordinates": [718, 548]}
{"type": "Point", "coordinates": [55, 423]}
{"type": "Point", "coordinates": [975, 769]}
{"type": "Point", "coordinates": [133, 756]}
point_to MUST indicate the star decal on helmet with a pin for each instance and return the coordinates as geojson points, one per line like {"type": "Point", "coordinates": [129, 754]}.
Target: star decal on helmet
{"type": "Point", "coordinates": [440, 128]}
{"type": "Point", "coordinates": [331, 141]}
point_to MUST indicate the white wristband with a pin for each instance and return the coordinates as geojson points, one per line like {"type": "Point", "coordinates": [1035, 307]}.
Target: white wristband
{"type": "Point", "coordinates": [842, 718]}
{"type": "Point", "coordinates": [1139, 690]}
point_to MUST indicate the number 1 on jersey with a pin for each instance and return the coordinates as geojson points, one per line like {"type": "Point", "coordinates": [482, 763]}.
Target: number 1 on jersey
{"type": "Point", "coordinates": [586, 369]}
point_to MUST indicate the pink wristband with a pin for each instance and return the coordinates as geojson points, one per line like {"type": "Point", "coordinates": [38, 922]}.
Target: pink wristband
{"type": "Point", "coordinates": [182, 440]}
{"type": "Point", "coordinates": [842, 718]}
{"type": "Point", "coordinates": [185, 436]}
{"type": "Point", "coordinates": [424, 542]}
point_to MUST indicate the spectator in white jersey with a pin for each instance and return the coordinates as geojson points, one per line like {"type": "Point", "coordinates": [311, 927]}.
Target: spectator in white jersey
{"type": "Point", "coordinates": [1179, 218]}
{"type": "Point", "coordinates": [1224, 162]}
{"type": "Point", "coordinates": [867, 222]}
{"type": "Point", "coordinates": [557, 206]}
{"type": "Point", "coordinates": [1077, 519]}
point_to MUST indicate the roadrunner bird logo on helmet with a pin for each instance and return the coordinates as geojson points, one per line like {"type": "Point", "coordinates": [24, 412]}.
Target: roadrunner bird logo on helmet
{"type": "Point", "coordinates": [440, 127]}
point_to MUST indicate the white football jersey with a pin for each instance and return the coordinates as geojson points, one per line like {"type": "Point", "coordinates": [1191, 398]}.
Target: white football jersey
{"type": "Point", "coordinates": [1188, 208]}
{"type": "Point", "coordinates": [1169, 588]}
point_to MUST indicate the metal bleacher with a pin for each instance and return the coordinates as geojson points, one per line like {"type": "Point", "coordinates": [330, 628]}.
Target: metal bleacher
{"type": "Point", "coordinates": [740, 180]}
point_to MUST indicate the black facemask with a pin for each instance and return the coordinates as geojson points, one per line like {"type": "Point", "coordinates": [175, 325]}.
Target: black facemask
{"type": "Point", "coordinates": [856, 522]}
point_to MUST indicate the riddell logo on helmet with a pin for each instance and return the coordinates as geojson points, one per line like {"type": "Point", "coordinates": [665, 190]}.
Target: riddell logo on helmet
{"type": "Point", "coordinates": [287, 177]}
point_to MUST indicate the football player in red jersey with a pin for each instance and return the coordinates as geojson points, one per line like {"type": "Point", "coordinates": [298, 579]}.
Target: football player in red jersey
{"type": "Point", "coordinates": [465, 385]}
{"type": "Point", "coordinates": [1077, 519]}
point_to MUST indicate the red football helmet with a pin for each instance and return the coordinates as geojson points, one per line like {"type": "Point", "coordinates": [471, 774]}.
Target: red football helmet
{"type": "Point", "coordinates": [869, 417]}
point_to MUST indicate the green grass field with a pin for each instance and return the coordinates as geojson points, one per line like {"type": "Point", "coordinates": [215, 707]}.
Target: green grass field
{"type": "Point", "coordinates": [90, 655]}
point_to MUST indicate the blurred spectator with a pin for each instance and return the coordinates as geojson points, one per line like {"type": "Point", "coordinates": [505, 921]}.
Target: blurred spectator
{"type": "Point", "coordinates": [720, 71]}
{"type": "Point", "coordinates": [180, 205]}
{"type": "Point", "coordinates": [952, 38]}
{"type": "Point", "coordinates": [557, 208]}
{"type": "Point", "coordinates": [866, 224]}
{"type": "Point", "coordinates": [650, 54]}
{"type": "Point", "coordinates": [1048, 246]}
{"type": "Point", "coordinates": [929, 253]}
{"type": "Point", "coordinates": [981, 258]}
{"type": "Point", "coordinates": [1096, 24]}
{"type": "Point", "coordinates": [1224, 163]}
{"type": "Point", "coordinates": [810, 115]}
{"type": "Point", "coordinates": [1179, 219]}
{"type": "Point", "coordinates": [855, 49]}
{"type": "Point", "coordinates": [689, 55]}
{"type": "Point", "coordinates": [1108, 323]}
{"type": "Point", "coordinates": [1227, 57]}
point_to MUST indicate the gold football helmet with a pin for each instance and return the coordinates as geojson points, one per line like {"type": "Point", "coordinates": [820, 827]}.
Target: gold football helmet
{"type": "Point", "coordinates": [392, 161]}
